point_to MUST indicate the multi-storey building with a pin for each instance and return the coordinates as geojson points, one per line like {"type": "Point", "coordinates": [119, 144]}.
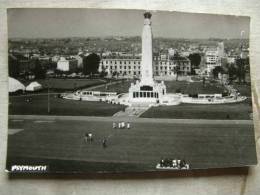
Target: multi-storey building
{"type": "Point", "coordinates": [213, 57]}
{"type": "Point", "coordinates": [131, 66]}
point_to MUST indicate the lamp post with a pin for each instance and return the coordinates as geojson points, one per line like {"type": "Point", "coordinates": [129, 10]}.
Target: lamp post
{"type": "Point", "coordinates": [48, 98]}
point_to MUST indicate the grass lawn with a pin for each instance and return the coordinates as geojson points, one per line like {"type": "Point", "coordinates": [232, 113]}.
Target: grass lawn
{"type": "Point", "coordinates": [139, 148]}
{"type": "Point", "coordinates": [58, 106]}
{"type": "Point", "coordinates": [171, 86]}
{"type": "Point", "coordinates": [193, 88]}
{"type": "Point", "coordinates": [67, 84]}
{"type": "Point", "coordinates": [121, 87]}
{"type": "Point", "coordinates": [237, 111]}
{"type": "Point", "coordinates": [244, 89]}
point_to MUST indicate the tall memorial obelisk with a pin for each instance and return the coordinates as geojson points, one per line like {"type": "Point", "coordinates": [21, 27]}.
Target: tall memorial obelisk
{"type": "Point", "coordinates": [147, 90]}
{"type": "Point", "coordinates": [147, 52]}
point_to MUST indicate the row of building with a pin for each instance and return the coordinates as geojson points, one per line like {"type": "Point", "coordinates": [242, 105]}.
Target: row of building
{"type": "Point", "coordinates": [131, 67]}
{"type": "Point", "coordinates": [126, 64]}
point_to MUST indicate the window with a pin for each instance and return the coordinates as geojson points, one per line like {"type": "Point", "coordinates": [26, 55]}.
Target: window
{"type": "Point", "coordinates": [148, 94]}
{"type": "Point", "coordinates": [141, 94]}
{"type": "Point", "coordinates": [137, 94]}
{"type": "Point", "coordinates": [134, 94]}
{"type": "Point", "coordinates": [152, 94]}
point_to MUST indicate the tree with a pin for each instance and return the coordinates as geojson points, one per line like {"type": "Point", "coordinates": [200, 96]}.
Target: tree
{"type": "Point", "coordinates": [217, 70]}
{"type": "Point", "coordinates": [241, 69]}
{"type": "Point", "coordinates": [195, 60]}
{"type": "Point", "coordinates": [38, 71]}
{"type": "Point", "coordinates": [232, 72]}
{"type": "Point", "coordinates": [91, 64]}
{"type": "Point", "coordinates": [176, 70]}
{"type": "Point", "coordinates": [13, 66]}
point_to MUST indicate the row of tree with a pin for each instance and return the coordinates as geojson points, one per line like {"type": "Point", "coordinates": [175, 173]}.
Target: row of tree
{"type": "Point", "coordinates": [18, 65]}
{"type": "Point", "coordinates": [235, 71]}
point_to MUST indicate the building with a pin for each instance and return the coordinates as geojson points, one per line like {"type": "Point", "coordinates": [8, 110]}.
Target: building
{"type": "Point", "coordinates": [221, 51]}
{"type": "Point", "coordinates": [213, 57]}
{"type": "Point", "coordinates": [163, 65]}
{"type": "Point", "coordinates": [67, 64]}
{"type": "Point", "coordinates": [123, 66]}
{"type": "Point", "coordinates": [63, 64]}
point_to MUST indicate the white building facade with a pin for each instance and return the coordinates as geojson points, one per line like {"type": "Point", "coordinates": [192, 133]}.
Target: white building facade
{"type": "Point", "coordinates": [63, 64]}
{"type": "Point", "coordinates": [131, 67]}
{"type": "Point", "coordinates": [213, 57]}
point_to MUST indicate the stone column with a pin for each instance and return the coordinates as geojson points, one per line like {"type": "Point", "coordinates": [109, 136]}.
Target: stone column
{"type": "Point", "coordinates": [147, 53]}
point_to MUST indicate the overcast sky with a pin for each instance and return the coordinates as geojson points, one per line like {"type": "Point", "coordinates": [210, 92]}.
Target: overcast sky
{"type": "Point", "coordinates": [58, 23]}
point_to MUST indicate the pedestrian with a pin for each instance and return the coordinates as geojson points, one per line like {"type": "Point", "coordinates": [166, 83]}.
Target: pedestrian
{"type": "Point", "coordinates": [114, 125]}
{"type": "Point", "coordinates": [123, 125]}
{"type": "Point", "coordinates": [128, 125]}
{"type": "Point", "coordinates": [86, 138]}
{"type": "Point", "coordinates": [104, 143]}
{"type": "Point", "coordinates": [90, 137]}
{"type": "Point", "coordinates": [228, 117]}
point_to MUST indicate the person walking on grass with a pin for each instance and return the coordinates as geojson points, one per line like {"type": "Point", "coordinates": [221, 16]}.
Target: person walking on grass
{"type": "Point", "coordinates": [114, 125]}
{"type": "Point", "coordinates": [88, 137]}
{"type": "Point", "coordinates": [104, 143]}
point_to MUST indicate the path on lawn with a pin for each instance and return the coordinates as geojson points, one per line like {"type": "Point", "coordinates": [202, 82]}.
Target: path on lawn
{"type": "Point", "coordinates": [132, 111]}
{"type": "Point", "coordinates": [49, 118]}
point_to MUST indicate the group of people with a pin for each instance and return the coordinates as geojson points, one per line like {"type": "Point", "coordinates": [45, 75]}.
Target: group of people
{"type": "Point", "coordinates": [29, 99]}
{"type": "Point", "coordinates": [121, 125]}
{"type": "Point", "coordinates": [88, 138]}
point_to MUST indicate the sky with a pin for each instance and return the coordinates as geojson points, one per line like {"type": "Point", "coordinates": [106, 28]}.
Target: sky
{"type": "Point", "coordinates": [60, 23]}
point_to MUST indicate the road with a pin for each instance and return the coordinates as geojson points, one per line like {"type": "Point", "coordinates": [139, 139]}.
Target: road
{"type": "Point", "coordinates": [59, 142]}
